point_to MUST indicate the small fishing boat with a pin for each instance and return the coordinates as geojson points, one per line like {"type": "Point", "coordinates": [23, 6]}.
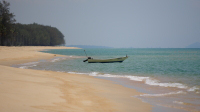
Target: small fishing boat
{"type": "Point", "coordinates": [113, 60]}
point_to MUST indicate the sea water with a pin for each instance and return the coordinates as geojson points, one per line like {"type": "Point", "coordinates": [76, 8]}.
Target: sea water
{"type": "Point", "coordinates": [168, 77]}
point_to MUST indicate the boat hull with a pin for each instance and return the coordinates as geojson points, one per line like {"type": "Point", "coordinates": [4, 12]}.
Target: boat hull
{"type": "Point", "coordinates": [107, 60]}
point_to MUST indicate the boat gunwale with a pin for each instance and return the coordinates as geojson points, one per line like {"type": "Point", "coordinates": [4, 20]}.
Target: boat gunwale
{"type": "Point", "coordinates": [108, 58]}
{"type": "Point", "coordinates": [112, 60]}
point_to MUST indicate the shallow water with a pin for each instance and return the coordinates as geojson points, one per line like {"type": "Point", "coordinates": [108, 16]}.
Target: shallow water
{"type": "Point", "coordinates": [170, 78]}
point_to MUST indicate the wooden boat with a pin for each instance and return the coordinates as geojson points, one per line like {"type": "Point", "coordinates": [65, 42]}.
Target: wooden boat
{"type": "Point", "coordinates": [113, 60]}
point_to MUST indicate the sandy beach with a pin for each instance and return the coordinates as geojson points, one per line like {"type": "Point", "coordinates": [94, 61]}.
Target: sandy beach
{"type": "Point", "coordinates": [24, 90]}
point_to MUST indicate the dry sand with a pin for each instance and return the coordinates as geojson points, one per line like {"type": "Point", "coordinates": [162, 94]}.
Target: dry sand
{"type": "Point", "coordinates": [16, 55]}
{"type": "Point", "coordinates": [26, 90]}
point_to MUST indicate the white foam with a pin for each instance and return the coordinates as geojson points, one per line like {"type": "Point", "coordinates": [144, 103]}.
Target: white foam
{"type": "Point", "coordinates": [54, 60]}
{"type": "Point", "coordinates": [28, 65]}
{"type": "Point", "coordinates": [137, 78]}
{"type": "Point", "coordinates": [58, 59]}
{"type": "Point", "coordinates": [72, 72]}
{"type": "Point", "coordinates": [23, 67]}
{"type": "Point", "coordinates": [178, 102]}
{"type": "Point", "coordinates": [78, 73]}
{"type": "Point", "coordinates": [109, 75]}
{"type": "Point", "coordinates": [61, 71]}
{"type": "Point", "coordinates": [193, 89]}
{"type": "Point", "coordinates": [93, 74]}
{"type": "Point", "coordinates": [146, 80]}
{"type": "Point", "coordinates": [163, 94]}
{"type": "Point", "coordinates": [154, 82]}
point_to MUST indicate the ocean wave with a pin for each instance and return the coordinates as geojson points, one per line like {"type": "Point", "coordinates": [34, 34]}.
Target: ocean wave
{"type": "Point", "coordinates": [58, 59]}
{"type": "Point", "coordinates": [23, 67]}
{"type": "Point", "coordinates": [28, 65]}
{"type": "Point", "coordinates": [149, 81]}
{"type": "Point", "coordinates": [93, 74]}
{"type": "Point", "coordinates": [178, 102]}
{"type": "Point", "coordinates": [163, 94]}
{"type": "Point", "coordinates": [146, 80]}
{"type": "Point", "coordinates": [194, 88]}
{"type": "Point", "coordinates": [154, 82]}
{"type": "Point", "coordinates": [61, 71]}
{"type": "Point", "coordinates": [137, 78]}
{"type": "Point", "coordinates": [78, 73]}
{"type": "Point", "coordinates": [54, 60]}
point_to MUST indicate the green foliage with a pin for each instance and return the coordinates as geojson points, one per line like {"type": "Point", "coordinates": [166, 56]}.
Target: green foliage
{"type": "Point", "coordinates": [6, 21]}
{"type": "Point", "coordinates": [37, 35]}
{"type": "Point", "coordinates": [26, 35]}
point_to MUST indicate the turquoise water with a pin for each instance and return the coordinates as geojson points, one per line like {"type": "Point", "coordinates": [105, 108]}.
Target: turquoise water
{"type": "Point", "coordinates": [174, 63]}
{"type": "Point", "coordinates": [168, 77]}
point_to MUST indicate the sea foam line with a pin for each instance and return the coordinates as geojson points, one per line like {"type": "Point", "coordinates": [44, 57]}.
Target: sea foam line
{"type": "Point", "coordinates": [63, 58]}
{"type": "Point", "coordinates": [58, 59]}
{"type": "Point", "coordinates": [146, 80]}
{"type": "Point", "coordinates": [149, 81]}
{"type": "Point", "coordinates": [78, 73]}
{"type": "Point", "coordinates": [163, 94]}
{"type": "Point", "coordinates": [195, 88]}
{"type": "Point", "coordinates": [28, 65]}
{"type": "Point", "coordinates": [157, 83]}
{"type": "Point", "coordinates": [178, 102]}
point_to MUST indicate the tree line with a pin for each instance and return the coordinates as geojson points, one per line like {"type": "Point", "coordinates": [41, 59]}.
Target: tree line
{"type": "Point", "coordinates": [36, 35]}
{"type": "Point", "coordinates": [16, 34]}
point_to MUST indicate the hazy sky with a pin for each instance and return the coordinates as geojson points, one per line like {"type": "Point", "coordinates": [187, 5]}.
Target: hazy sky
{"type": "Point", "coordinates": [116, 23]}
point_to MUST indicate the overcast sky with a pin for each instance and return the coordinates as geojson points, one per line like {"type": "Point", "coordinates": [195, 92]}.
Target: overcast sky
{"type": "Point", "coordinates": [116, 23]}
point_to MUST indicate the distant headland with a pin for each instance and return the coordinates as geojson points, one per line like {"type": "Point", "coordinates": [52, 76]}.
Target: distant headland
{"type": "Point", "coordinates": [194, 45]}
{"type": "Point", "coordinates": [87, 46]}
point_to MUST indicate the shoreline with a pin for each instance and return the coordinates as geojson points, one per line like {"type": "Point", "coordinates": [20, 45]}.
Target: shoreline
{"type": "Point", "coordinates": [24, 54]}
{"type": "Point", "coordinates": [38, 90]}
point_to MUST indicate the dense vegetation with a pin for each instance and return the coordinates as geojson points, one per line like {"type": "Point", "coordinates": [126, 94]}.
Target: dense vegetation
{"type": "Point", "coordinates": [36, 35]}
{"type": "Point", "coordinates": [16, 34]}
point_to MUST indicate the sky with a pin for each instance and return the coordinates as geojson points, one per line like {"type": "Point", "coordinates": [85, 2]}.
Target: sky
{"type": "Point", "coordinates": [116, 23]}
